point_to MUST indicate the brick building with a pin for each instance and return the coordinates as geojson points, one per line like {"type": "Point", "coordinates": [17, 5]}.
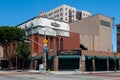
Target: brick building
{"type": "Point", "coordinates": [60, 42]}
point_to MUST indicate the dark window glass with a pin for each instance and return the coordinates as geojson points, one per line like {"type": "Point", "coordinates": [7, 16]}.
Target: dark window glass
{"type": "Point", "coordinates": [105, 23]}
{"type": "Point", "coordinates": [57, 43]}
{"type": "Point", "coordinates": [61, 44]}
{"type": "Point", "coordinates": [51, 42]}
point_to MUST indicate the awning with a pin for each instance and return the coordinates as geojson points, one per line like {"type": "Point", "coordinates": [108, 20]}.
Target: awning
{"type": "Point", "coordinates": [117, 58]}
{"type": "Point", "coordinates": [51, 57]}
{"type": "Point", "coordinates": [101, 57]}
{"type": "Point", "coordinates": [69, 56]}
{"type": "Point", "coordinates": [89, 57]}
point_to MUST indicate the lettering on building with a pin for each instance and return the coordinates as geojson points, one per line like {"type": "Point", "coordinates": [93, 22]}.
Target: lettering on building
{"type": "Point", "coordinates": [54, 24]}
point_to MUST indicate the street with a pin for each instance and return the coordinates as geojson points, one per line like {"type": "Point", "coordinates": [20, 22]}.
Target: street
{"type": "Point", "coordinates": [12, 75]}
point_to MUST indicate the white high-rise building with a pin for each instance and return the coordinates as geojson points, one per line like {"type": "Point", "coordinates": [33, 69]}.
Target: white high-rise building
{"type": "Point", "coordinates": [65, 13]}
{"type": "Point", "coordinates": [83, 14]}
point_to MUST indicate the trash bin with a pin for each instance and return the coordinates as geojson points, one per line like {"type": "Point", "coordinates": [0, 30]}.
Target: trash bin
{"type": "Point", "coordinates": [41, 68]}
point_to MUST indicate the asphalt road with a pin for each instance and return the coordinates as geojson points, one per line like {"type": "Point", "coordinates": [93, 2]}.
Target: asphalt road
{"type": "Point", "coordinates": [12, 75]}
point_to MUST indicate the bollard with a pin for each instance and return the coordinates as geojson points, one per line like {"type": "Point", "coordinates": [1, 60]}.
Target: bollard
{"type": "Point", "coordinates": [48, 71]}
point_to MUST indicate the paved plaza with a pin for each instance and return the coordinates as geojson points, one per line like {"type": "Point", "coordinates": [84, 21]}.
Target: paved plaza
{"type": "Point", "coordinates": [58, 75]}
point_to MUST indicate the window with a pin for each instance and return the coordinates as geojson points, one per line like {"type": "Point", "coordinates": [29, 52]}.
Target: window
{"type": "Point", "coordinates": [66, 9]}
{"type": "Point", "coordinates": [73, 11]}
{"type": "Point", "coordinates": [118, 42]}
{"type": "Point", "coordinates": [32, 24]}
{"type": "Point", "coordinates": [57, 43]}
{"type": "Point", "coordinates": [73, 15]}
{"type": "Point", "coordinates": [66, 19]}
{"type": "Point", "coordinates": [105, 23]}
{"type": "Point", "coordinates": [58, 15]}
{"type": "Point", "coordinates": [83, 14]}
{"type": "Point", "coordinates": [61, 18]}
{"type": "Point", "coordinates": [118, 29]}
{"type": "Point", "coordinates": [25, 26]}
{"type": "Point", "coordinates": [66, 14]}
{"type": "Point", "coordinates": [61, 14]}
{"type": "Point", "coordinates": [51, 42]}
{"type": "Point", "coordinates": [61, 9]}
{"type": "Point", "coordinates": [61, 44]}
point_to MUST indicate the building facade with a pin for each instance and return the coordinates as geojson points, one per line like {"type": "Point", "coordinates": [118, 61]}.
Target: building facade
{"type": "Point", "coordinates": [63, 47]}
{"type": "Point", "coordinates": [95, 32]}
{"type": "Point", "coordinates": [66, 13]}
{"type": "Point", "coordinates": [60, 40]}
{"type": "Point", "coordinates": [82, 14]}
{"type": "Point", "coordinates": [118, 37]}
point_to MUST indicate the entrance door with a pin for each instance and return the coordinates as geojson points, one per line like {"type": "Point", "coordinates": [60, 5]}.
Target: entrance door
{"type": "Point", "coordinates": [68, 63]}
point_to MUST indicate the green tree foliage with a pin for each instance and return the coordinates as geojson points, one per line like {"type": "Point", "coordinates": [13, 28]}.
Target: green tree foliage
{"type": "Point", "coordinates": [10, 34]}
{"type": "Point", "coordinates": [23, 50]}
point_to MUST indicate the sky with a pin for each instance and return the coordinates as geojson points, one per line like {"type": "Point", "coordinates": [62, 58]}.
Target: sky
{"type": "Point", "coordinates": [14, 12]}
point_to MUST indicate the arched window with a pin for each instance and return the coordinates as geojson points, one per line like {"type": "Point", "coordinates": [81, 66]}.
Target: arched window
{"type": "Point", "coordinates": [61, 44]}
{"type": "Point", "coordinates": [57, 43]}
{"type": "Point", "coordinates": [51, 42]}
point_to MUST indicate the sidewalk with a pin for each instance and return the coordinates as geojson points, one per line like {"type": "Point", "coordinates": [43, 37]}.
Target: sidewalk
{"type": "Point", "coordinates": [56, 72]}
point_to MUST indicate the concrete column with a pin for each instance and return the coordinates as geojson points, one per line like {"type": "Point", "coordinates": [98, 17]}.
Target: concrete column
{"type": "Point", "coordinates": [36, 61]}
{"type": "Point", "coordinates": [56, 63]}
{"type": "Point", "coordinates": [32, 64]}
{"type": "Point", "coordinates": [81, 64]}
{"type": "Point", "coordinates": [93, 64]}
{"type": "Point", "coordinates": [119, 65]}
{"type": "Point", "coordinates": [54, 43]}
{"type": "Point", "coordinates": [107, 61]}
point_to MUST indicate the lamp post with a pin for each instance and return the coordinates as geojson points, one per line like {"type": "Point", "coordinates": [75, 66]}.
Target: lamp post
{"type": "Point", "coordinates": [115, 54]}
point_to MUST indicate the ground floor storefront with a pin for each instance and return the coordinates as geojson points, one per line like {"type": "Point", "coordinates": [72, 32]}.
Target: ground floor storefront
{"type": "Point", "coordinates": [101, 63]}
{"type": "Point", "coordinates": [69, 60]}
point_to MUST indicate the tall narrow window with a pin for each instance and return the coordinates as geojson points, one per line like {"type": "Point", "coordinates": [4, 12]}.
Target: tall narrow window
{"type": "Point", "coordinates": [57, 43]}
{"type": "Point", "coordinates": [61, 44]}
{"type": "Point", "coordinates": [51, 42]}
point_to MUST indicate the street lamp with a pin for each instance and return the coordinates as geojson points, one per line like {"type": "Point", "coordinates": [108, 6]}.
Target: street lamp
{"type": "Point", "coordinates": [115, 54]}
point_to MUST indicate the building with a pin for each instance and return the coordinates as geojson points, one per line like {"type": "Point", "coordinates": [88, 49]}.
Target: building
{"type": "Point", "coordinates": [95, 32]}
{"type": "Point", "coordinates": [118, 37]}
{"type": "Point", "coordinates": [63, 51]}
{"type": "Point", "coordinates": [56, 36]}
{"type": "Point", "coordinates": [66, 13]}
{"type": "Point", "coordinates": [82, 14]}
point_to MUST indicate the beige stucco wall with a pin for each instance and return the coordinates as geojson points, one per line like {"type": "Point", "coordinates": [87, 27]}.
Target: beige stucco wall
{"type": "Point", "coordinates": [93, 35]}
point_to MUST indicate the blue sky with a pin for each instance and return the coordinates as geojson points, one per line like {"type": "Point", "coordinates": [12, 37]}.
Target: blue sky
{"type": "Point", "coordinates": [13, 12]}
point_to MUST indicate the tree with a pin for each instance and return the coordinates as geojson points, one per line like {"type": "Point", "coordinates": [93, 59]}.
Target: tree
{"type": "Point", "coordinates": [23, 51]}
{"type": "Point", "coordinates": [8, 35]}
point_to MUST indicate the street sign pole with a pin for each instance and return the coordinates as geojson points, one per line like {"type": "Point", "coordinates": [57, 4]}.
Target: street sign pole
{"type": "Point", "coordinates": [45, 62]}
{"type": "Point", "coordinates": [45, 41]}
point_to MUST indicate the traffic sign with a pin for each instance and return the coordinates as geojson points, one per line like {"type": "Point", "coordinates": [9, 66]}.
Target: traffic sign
{"type": "Point", "coordinates": [45, 41]}
{"type": "Point", "coordinates": [45, 49]}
